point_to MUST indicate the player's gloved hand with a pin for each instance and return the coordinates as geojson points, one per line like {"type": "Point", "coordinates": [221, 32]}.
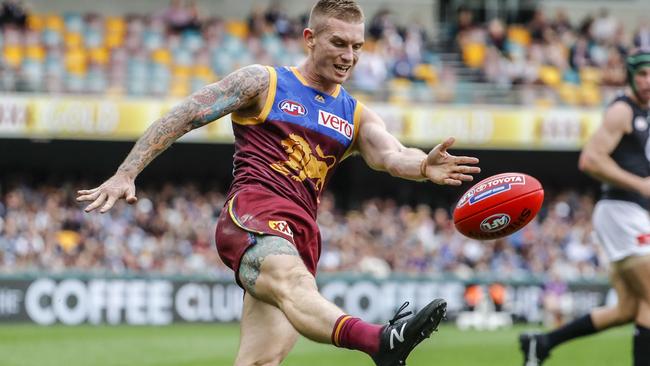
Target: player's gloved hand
{"type": "Point", "coordinates": [440, 167]}
{"type": "Point", "coordinates": [116, 187]}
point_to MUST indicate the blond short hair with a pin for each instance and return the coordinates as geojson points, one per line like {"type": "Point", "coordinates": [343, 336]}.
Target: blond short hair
{"type": "Point", "coordinates": [345, 10]}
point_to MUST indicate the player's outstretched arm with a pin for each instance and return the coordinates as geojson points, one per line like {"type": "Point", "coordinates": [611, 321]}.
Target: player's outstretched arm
{"type": "Point", "coordinates": [595, 158]}
{"type": "Point", "coordinates": [238, 91]}
{"type": "Point", "coordinates": [382, 151]}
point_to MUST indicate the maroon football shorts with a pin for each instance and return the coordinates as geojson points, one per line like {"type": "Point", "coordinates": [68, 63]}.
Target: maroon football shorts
{"type": "Point", "coordinates": [253, 211]}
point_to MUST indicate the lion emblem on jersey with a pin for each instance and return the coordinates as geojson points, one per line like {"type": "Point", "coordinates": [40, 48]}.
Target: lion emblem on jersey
{"type": "Point", "coordinates": [302, 163]}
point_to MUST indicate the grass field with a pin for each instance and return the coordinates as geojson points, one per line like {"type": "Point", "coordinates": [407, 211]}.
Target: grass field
{"type": "Point", "coordinates": [215, 345]}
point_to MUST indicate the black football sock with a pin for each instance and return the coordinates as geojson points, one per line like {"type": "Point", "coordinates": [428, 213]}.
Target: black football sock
{"type": "Point", "coordinates": [641, 346]}
{"type": "Point", "coordinates": [579, 327]}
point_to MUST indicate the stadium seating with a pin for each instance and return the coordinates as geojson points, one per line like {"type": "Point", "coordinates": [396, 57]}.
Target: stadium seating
{"type": "Point", "coordinates": [140, 54]}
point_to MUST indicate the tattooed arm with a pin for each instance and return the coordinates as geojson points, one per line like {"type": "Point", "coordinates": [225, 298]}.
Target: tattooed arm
{"type": "Point", "coordinates": [238, 90]}
{"type": "Point", "coordinates": [243, 89]}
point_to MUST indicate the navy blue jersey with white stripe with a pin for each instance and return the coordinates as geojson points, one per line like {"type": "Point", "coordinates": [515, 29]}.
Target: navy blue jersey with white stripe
{"type": "Point", "coordinates": [632, 154]}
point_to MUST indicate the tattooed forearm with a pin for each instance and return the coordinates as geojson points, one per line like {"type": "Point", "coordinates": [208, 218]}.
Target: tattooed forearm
{"type": "Point", "coordinates": [157, 138]}
{"type": "Point", "coordinates": [239, 89]}
{"type": "Point", "coordinates": [235, 91]}
{"type": "Point", "coordinates": [251, 262]}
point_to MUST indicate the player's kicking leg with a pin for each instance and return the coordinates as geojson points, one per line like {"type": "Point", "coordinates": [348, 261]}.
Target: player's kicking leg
{"type": "Point", "coordinates": [273, 272]}
{"type": "Point", "coordinates": [536, 347]}
{"type": "Point", "coordinates": [266, 336]}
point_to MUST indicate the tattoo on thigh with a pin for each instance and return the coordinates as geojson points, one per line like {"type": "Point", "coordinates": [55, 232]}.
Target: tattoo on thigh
{"type": "Point", "coordinates": [251, 262]}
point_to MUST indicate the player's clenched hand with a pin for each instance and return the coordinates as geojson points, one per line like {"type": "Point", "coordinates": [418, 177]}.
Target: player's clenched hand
{"type": "Point", "coordinates": [118, 186]}
{"type": "Point", "coordinates": [440, 167]}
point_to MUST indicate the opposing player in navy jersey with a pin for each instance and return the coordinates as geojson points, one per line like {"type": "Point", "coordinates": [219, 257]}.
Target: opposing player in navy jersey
{"type": "Point", "coordinates": [618, 154]}
{"type": "Point", "coordinates": [292, 127]}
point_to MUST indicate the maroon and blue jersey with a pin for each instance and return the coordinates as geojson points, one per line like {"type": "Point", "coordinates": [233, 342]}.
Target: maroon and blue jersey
{"type": "Point", "coordinates": [294, 145]}
{"type": "Point", "coordinates": [284, 158]}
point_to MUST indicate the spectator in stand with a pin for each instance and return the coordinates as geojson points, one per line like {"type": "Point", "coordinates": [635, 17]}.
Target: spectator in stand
{"type": "Point", "coordinates": [378, 24]}
{"type": "Point", "coordinates": [604, 27]}
{"type": "Point", "coordinates": [499, 64]}
{"type": "Point", "coordinates": [257, 24]}
{"type": "Point", "coordinates": [496, 36]}
{"type": "Point", "coordinates": [180, 17]}
{"type": "Point", "coordinates": [277, 17]}
{"type": "Point", "coordinates": [194, 23]}
{"type": "Point", "coordinates": [371, 73]}
{"type": "Point", "coordinates": [537, 26]}
{"type": "Point", "coordinates": [561, 24]}
{"type": "Point", "coordinates": [614, 73]}
{"type": "Point", "coordinates": [553, 50]}
{"type": "Point", "coordinates": [464, 26]}
{"type": "Point", "coordinates": [579, 55]}
{"type": "Point", "coordinates": [13, 13]}
{"type": "Point", "coordinates": [641, 37]}
{"type": "Point", "coordinates": [555, 301]}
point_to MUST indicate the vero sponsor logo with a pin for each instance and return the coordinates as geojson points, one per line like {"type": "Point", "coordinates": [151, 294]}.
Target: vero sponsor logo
{"type": "Point", "coordinates": [336, 123]}
{"type": "Point", "coordinates": [293, 108]}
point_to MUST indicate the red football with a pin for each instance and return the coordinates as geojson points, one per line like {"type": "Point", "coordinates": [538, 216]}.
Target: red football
{"type": "Point", "coordinates": [498, 206]}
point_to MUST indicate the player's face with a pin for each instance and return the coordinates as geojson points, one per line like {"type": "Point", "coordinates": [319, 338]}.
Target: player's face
{"type": "Point", "coordinates": [642, 80]}
{"type": "Point", "coordinates": [336, 49]}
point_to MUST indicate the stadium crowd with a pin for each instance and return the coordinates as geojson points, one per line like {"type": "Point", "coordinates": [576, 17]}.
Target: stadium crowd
{"type": "Point", "coordinates": [170, 231]}
{"type": "Point", "coordinates": [572, 60]}
{"type": "Point", "coordinates": [177, 50]}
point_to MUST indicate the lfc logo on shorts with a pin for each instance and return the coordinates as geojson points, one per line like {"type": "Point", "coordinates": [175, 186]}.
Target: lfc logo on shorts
{"type": "Point", "coordinates": [281, 226]}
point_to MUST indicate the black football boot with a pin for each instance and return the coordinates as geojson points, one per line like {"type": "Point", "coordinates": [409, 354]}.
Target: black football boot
{"type": "Point", "coordinates": [533, 346]}
{"type": "Point", "coordinates": [399, 337]}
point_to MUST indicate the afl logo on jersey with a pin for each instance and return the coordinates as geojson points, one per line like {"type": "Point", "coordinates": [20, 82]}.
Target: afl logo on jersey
{"type": "Point", "coordinates": [640, 123]}
{"type": "Point", "coordinates": [292, 108]}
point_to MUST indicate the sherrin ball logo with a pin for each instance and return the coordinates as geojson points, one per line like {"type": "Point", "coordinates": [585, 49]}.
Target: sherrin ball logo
{"type": "Point", "coordinates": [490, 188]}
{"type": "Point", "coordinates": [292, 108]}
